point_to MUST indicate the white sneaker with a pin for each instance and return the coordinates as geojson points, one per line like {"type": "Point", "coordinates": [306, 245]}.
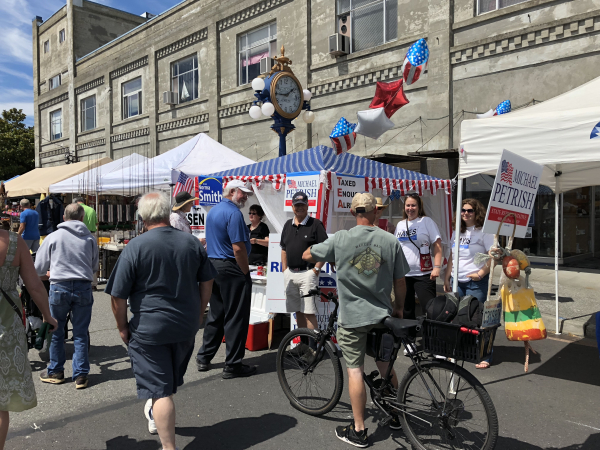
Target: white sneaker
{"type": "Point", "coordinates": [148, 413]}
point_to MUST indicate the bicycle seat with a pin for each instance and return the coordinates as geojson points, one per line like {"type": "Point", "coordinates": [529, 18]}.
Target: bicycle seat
{"type": "Point", "coordinates": [400, 327]}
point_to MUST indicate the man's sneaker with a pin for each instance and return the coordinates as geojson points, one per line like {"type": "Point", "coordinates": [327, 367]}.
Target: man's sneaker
{"type": "Point", "coordinates": [148, 413]}
{"type": "Point", "coordinates": [81, 382]}
{"type": "Point", "coordinates": [202, 367]}
{"type": "Point", "coordinates": [395, 423]}
{"type": "Point", "coordinates": [54, 378]}
{"type": "Point", "coordinates": [237, 372]}
{"type": "Point", "coordinates": [351, 436]}
{"type": "Point", "coordinates": [298, 350]}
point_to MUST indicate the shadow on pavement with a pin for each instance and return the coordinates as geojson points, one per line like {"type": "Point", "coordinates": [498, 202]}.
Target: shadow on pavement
{"type": "Point", "coordinates": [551, 296]}
{"type": "Point", "coordinates": [514, 354]}
{"type": "Point", "coordinates": [237, 433]}
{"type": "Point", "coordinates": [592, 442]}
{"type": "Point", "coordinates": [575, 362]}
{"type": "Point", "coordinates": [125, 442]}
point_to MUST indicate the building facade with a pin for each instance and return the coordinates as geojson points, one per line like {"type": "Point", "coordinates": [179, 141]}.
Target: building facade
{"type": "Point", "coordinates": [100, 74]}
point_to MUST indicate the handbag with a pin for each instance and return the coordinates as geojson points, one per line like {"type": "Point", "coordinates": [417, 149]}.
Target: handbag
{"type": "Point", "coordinates": [425, 259]}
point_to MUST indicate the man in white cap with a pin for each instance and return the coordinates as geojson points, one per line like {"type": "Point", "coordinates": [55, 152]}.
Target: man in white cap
{"type": "Point", "coordinates": [367, 260]}
{"type": "Point", "coordinates": [228, 247]}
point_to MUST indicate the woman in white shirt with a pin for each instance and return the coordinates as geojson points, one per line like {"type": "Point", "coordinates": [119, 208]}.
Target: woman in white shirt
{"type": "Point", "coordinates": [422, 245]}
{"type": "Point", "coordinates": [472, 278]}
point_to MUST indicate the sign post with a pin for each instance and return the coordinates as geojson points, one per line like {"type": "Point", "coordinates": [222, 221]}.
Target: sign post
{"type": "Point", "coordinates": [514, 191]}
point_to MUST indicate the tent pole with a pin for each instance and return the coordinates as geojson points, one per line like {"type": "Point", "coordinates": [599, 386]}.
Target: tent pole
{"type": "Point", "coordinates": [459, 194]}
{"type": "Point", "coordinates": [556, 219]}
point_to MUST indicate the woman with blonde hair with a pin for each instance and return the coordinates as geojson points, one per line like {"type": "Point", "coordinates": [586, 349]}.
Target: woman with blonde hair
{"type": "Point", "coordinates": [472, 278]}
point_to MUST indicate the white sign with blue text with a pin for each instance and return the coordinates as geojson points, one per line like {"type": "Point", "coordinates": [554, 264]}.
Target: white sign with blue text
{"type": "Point", "coordinates": [514, 192]}
{"type": "Point", "coordinates": [210, 190]}
{"type": "Point", "coordinates": [307, 182]}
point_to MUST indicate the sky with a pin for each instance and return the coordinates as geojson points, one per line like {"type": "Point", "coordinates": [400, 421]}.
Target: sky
{"type": "Point", "coordinates": [16, 66]}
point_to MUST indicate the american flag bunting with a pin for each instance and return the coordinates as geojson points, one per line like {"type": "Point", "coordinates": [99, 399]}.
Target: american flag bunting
{"type": "Point", "coordinates": [184, 183]}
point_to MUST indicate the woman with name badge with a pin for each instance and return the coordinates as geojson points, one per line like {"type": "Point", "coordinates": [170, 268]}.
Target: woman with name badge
{"type": "Point", "coordinates": [472, 278]}
{"type": "Point", "coordinates": [422, 245]}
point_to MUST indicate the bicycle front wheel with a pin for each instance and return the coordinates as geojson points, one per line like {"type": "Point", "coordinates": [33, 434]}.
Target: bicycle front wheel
{"type": "Point", "coordinates": [464, 417]}
{"type": "Point", "coordinates": [313, 387]}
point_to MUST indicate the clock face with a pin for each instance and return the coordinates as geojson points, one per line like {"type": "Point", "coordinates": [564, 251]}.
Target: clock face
{"type": "Point", "coordinates": [288, 95]}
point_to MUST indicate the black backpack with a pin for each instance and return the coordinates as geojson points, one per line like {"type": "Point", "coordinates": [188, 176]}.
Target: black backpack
{"type": "Point", "coordinates": [470, 312]}
{"type": "Point", "coordinates": [442, 308]}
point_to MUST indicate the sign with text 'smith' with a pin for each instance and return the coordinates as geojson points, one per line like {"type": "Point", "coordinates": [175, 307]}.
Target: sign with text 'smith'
{"type": "Point", "coordinates": [514, 191]}
{"type": "Point", "coordinates": [306, 182]}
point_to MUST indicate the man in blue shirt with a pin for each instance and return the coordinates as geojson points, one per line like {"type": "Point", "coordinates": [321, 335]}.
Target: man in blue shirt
{"type": "Point", "coordinates": [228, 247]}
{"type": "Point", "coordinates": [28, 229]}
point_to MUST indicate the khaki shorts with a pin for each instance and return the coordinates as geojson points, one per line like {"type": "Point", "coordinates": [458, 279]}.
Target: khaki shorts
{"type": "Point", "coordinates": [353, 342]}
{"type": "Point", "coordinates": [297, 284]}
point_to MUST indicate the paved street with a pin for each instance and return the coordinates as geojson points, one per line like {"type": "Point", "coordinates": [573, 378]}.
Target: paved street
{"type": "Point", "coordinates": [553, 407]}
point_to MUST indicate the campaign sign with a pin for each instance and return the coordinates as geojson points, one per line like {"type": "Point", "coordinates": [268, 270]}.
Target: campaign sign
{"type": "Point", "coordinates": [344, 189]}
{"type": "Point", "coordinates": [492, 310]}
{"type": "Point", "coordinates": [210, 190]}
{"type": "Point", "coordinates": [514, 191]}
{"type": "Point", "coordinates": [197, 219]}
{"type": "Point", "coordinates": [275, 281]}
{"type": "Point", "coordinates": [307, 182]}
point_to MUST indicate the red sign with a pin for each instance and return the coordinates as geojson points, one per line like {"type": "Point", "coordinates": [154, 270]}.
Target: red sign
{"type": "Point", "coordinates": [310, 203]}
{"type": "Point", "coordinates": [496, 214]}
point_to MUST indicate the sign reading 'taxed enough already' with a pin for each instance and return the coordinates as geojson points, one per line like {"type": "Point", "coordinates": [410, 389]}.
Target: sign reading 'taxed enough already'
{"type": "Point", "coordinates": [514, 191]}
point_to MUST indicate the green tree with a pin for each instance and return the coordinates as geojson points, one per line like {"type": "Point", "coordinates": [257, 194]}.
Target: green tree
{"type": "Point", "coordinates": [17, 150]}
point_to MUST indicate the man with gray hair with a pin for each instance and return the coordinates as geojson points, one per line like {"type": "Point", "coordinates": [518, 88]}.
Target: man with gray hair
{"type": "Point", "coordinates": [228, 247]}
{"type": "Point", "coordinates": [90, 219]}
{"type": "Point", "coordinates": [71, 255]}
{"type": "Point", "coordinates": [168, 278]}
{"type": "Point", "coordinates": [29, 229]}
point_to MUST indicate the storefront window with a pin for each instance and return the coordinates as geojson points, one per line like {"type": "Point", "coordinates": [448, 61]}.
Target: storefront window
{"type": "Point", "coordinates": [577, 211]}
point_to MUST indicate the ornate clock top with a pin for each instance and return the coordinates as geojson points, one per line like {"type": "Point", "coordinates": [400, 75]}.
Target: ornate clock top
{"type": "Point", "coordinates": [283, 63]}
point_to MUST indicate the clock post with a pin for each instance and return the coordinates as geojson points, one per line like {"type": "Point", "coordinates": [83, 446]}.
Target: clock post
{"type": "Point", "coordinates": [282, 98]}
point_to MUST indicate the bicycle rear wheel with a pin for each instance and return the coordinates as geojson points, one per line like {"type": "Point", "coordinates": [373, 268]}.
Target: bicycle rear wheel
{"type": "Point", "coordinates": [315, 391]}
{"type": "Point", "coordinates": [465, 419]}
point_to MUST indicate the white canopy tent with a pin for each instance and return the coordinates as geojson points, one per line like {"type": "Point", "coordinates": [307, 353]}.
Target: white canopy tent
{"type": "Point", "coordinates": [200, 155]}
{"type": "Point", "coordinates": [90, 182]}
{"type": "Point", "coordinates": [562, 134]}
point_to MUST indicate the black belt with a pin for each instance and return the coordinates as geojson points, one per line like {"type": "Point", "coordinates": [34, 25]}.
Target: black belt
{"type": "Point", "coordinates": [224, 259]}
{"type": "Point", "coordinates": [299, 268]}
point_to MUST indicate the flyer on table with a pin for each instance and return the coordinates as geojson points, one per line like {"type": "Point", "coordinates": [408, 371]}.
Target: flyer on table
{"type": "Point", "coordinates": [307, 182]}
{"type": "Point", "coordinates": [514, 191]}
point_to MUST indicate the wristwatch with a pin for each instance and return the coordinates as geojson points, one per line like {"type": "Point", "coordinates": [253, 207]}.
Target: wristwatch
{"type": "Point", "coordinates": [316, 271]}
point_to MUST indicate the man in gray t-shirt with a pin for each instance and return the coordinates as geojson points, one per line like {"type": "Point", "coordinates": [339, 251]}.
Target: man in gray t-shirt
{"type": "Point", "coordinates": [367, 260]}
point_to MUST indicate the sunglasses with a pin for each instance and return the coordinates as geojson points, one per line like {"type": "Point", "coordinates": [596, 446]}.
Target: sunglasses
{"type": "Point", "coordinates": [252, 214]}
{"type": "Point", "coordinates": [467, 211]}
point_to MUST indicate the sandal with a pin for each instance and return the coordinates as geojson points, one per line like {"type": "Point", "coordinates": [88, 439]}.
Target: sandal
{"type": "Point", "coordinates": [483, 365]}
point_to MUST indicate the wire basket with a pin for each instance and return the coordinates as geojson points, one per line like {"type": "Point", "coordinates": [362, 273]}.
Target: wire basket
{"type": "Point", "coordinates": [446, 339]}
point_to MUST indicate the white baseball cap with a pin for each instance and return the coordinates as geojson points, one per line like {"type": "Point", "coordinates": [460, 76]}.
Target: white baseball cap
{"type": "Point", "coordinates": [240, 185]}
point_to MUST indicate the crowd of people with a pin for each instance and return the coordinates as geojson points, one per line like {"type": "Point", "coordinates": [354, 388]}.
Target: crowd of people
{"type": "Point", "coordinates": [167, 277]}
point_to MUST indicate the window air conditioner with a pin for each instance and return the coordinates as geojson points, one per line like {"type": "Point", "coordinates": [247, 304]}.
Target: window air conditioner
{"type": "Point", "coordinates": [339, 45]}
{"type": "Point", "coordinates": [170, 98]}
{"type": "Point", "coordinates": [266, 64]}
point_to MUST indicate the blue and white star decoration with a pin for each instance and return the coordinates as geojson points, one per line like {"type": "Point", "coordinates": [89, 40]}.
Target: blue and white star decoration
{"type": "Point", "coordinates": [415, 61]}
{"type": "Point", "coordinates": [343, 136]}
{"type": "Point", "coordinates": [503, 108]}
{"type": "Point", "coordinates": [595, 132]}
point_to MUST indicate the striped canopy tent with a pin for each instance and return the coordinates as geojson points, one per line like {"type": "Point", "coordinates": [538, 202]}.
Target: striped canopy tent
{"type": "Point", "coordinates": [380, 179]}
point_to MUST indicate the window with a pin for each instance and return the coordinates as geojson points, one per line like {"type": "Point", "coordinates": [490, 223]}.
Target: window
{"type": "Point", "coordinates": [484, 6]}
{"type": "Point", "coordinates": [132, 98]}
{"type": "Point", "coordinates": [372, 22]}
{"type": "Point", "coordinates": [88, 113]}
{"type": "Point", "coordinates": [185, 79]}
{"type": "Point", "coordinates": [254, 46]}
{"type": "Point", "coordinates": [56, 124]}
{"type": "Point", "coordinates": [54, 82]}
{"type": "Point", "coordinates": [61, 36]}
{"type": "Point", "coordinates": [46, 46]}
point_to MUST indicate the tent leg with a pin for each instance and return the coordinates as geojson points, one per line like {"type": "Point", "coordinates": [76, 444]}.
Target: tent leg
{"type": "Point", "coordinates": [556, 219]}
{"type": "Point", "coordinates": [459, 194]}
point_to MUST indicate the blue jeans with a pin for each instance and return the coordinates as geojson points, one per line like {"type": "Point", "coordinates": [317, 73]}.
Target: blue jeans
{"type": "Point", "coordinates": [75, 297]}
{"type": "Point", "coordinates": [477, 289]}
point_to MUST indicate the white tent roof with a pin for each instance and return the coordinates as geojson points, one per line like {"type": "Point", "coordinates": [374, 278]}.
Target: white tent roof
{"type": "Point", "coordinates": [562, 134]}
{"type": "Point", "coordinates": [201, 155]}
{"type": "Point", "coordinates": [91, 180]}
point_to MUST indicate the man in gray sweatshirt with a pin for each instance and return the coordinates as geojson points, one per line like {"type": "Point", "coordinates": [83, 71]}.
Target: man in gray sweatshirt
{"type": "Point", "coordinates": [71, 255]}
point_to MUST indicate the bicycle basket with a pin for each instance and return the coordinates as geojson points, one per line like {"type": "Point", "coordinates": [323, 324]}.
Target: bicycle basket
{"type": "Point", "coordinates": [446, 339]}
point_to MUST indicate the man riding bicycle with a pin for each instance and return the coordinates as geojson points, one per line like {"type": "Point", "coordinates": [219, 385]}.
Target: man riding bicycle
{"type": "Point", "coordinates": [367, 260]}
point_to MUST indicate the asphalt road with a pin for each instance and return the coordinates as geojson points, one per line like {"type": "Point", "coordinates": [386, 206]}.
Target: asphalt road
{"type": "Point", "coordinates": [554, 406]}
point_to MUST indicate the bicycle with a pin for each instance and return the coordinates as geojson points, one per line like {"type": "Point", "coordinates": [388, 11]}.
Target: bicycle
{"type": "Point", "coordinates": [434, 400]}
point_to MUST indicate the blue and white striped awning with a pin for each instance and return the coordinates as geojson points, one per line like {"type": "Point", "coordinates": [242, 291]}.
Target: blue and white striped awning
{"type": "Point", "coordinates": [324, 158]}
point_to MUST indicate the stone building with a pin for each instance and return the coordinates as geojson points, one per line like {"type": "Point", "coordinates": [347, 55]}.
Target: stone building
{"type": "Point", "coordinates": [100, 73]}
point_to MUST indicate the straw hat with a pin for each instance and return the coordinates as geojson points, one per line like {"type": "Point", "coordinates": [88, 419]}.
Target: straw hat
{"type": "Point", "coordinates": [380, 204]}
{"type": "Point", "coordinates": [182, 198]}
